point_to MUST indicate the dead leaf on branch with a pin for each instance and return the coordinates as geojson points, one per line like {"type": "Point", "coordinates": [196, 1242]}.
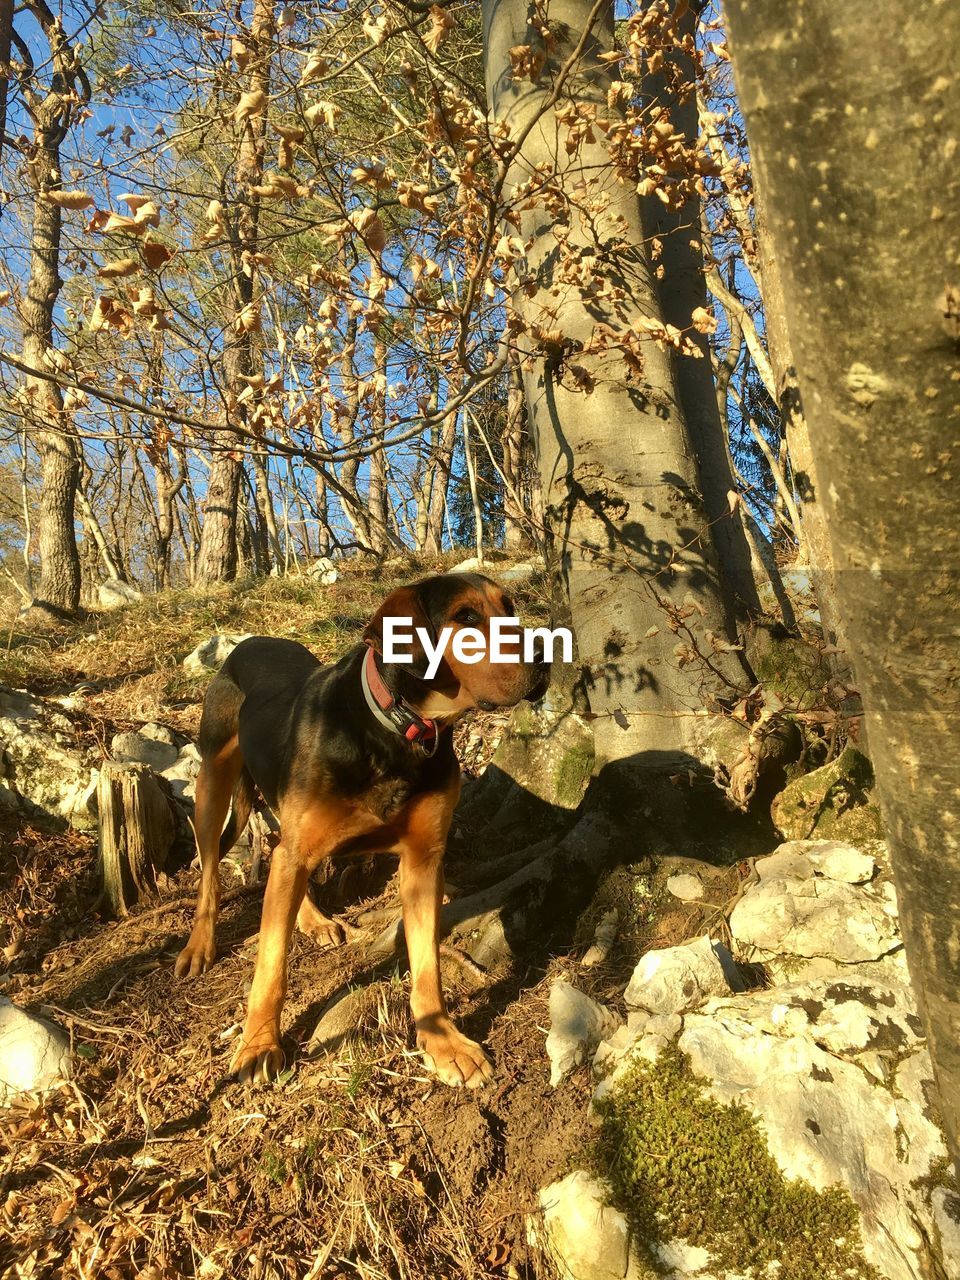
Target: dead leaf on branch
{"type": "Point", "coordinates": [366, 222]}
{"type": "Point", "coordinates": [251, 104]}
{"type": "Point", "coordinates": [704, 321]}
{"type": "Point", "coordinates": [526, 62]}
{"type": "Point", "coordinates": [118, 269]}
{"type": "Point", "coordinates": [441, 24]}
{"type": "Point", "coordinates": [69, 199]}
{"type": "Point", "coordinates": [315, 68]}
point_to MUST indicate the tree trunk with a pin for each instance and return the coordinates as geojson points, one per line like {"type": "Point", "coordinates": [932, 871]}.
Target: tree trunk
{"type": "Point", "coordinates": [217, 560]}
{"type": "Point", "coordinates": [682, 290]}
{"type": "Point", "coordinates": [516, 520]}
{"type": "Point", "coordinates": [868, 242]}
{"type": "Point", "coordinates": [621, 488]}
{"type": "Point", "coordinates": [813, 529]}
{"type": "Point", "coordinates": [59, 585]}
{"type": "Point", "coordinates": [136, 830]}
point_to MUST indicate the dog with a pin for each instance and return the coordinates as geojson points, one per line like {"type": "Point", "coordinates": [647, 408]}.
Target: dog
{"type": "Point", "coordinates": [354, 758]}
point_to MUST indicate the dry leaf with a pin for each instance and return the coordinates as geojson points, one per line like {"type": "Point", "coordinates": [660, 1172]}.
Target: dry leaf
{"type": "Point", "coordinates": [250, 104]}
{"type": "Point", "coordinates": [441, 23]}
{"type": "Point", "coordinates": [69, 199]}
{"type": "Point", "coordinates": [315, 67]}
{"type": "Point", "coordinates": [118, 269]}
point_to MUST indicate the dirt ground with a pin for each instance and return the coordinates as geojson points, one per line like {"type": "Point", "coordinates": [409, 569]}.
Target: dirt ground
{"type": "Point", "coordinates": [152, 1164]}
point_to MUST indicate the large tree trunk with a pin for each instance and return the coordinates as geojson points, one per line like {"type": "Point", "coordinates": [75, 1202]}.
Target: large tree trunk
{"type": "Point", "coordinates": [671, 95]}
{"type": "Point", "coordinates": [217, 560]}
{"type": "Point", "coordinates": [621, 486]}
{"type": "Point", "coordinates": [868, 241]}
{"type": "Point", "coordinates": [813, 529]}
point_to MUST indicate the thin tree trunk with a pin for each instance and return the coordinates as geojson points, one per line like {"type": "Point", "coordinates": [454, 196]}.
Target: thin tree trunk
{"type": "Point", "coordinates": [868, 241]}
{"type": "Point", "coordinates": [515, 518]}
{"type": "Point", "coordinates": [217, 559]}
{"type": "Point", "coordinates": [59, 584]}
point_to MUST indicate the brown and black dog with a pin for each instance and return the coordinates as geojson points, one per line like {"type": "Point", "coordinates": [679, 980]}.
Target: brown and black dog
{"type": "Point", "coordinates": [354, 758]}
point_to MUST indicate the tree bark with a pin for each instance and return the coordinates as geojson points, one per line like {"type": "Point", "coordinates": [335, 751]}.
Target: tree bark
{"type": "Point", "coordinates": [868, 242]}
{"type": "Point", "coordinates": [59, 585]}
{"type": "Point", "coordinates": [621, 488]}
{"type": "Point", "coordinates": [217, 559]}
{"type": "Point", "coordinates": [682, 290]}
{"type": "Point", "coordinates": [136, 830]}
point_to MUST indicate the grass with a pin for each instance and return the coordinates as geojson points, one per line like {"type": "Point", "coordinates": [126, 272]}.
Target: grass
{"type": "Point", "coordinates": [130, 660]}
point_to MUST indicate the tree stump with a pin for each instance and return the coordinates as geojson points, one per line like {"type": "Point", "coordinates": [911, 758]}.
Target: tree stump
{"type": "Point", "coordinates": [136, 829]}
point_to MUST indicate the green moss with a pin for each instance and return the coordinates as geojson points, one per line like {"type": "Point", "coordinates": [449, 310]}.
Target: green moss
{"type": "Point", "coordinates": [682, 1165]}
{"type": "Point", "coordinates": [792, 668]}
{"type": "Point", "coordinates": [573, 772]}
{"type": "Point", "coordinates": [831, 803]}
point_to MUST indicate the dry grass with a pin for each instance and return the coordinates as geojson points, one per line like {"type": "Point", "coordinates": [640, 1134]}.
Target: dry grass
{"type": "Point", "coordinates": [152, 1164]}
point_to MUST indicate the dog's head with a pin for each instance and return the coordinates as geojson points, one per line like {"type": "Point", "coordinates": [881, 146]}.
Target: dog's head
{"type": "Point", "coordinates": [452, 603]}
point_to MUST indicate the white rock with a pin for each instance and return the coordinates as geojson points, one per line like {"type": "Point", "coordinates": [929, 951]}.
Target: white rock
{"type": "Point", "coordinates": [815, 917]}
{"type": "Point", "coordinates": [519, 572]}
{"type": "Point", "coordinates": [470, 565]}
{"type": "Point", "coordinates": [211, 654]}
{"type": "Point", "coordinates": [34, 1053]}
{"type": "Point", "coordinates": [809, 1059]}
{"type": "Point", "coordinates": [674, 979]}
{"type": "Point", "coordinates": [577, 1025]}
{"type": "Point", "coordinates": [586, 1238]}
{"type": "Point", "coordinates": [136, 748]}
{"type": "Point", "coordinates": [182, 774]}
{"type": "Point", "coordinates": [686, 887]}
{"type": "Point", "coordinates": [42, 764]}
{"type": "Point", "coordinates": [114, 594]}
{"type": "Point", "coordinates": [324, 571]}
{"type": "Point", "coordinates": [681, 1258]}
{"type": "Point", "coordinates": [834, 859]}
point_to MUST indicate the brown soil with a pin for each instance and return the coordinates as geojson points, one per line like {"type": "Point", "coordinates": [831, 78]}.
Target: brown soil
{"type": "Point", "coordinates": [153, 1164]}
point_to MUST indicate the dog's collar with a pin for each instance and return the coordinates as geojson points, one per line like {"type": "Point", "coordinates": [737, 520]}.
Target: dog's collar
{"type": "Point", "coordinates": [392, 712]}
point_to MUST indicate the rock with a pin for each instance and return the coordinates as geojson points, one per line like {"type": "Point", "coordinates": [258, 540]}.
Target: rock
{"type": "Point", "coordinates": [182, 774]}
{"type": "Point", "coordinates": [686, 887]}
{"type": "Point", "coordinates": [34, 1053]}
{"type": "Point", "coordinates": [211, 654]}
{"type": "Point", "coordinates": [839, 1077]}
{"type": "Point", "coordinates": [577, 1025]}
{"type": "Point", "coordinates": [833, 802]}
{"type": "Point", "coordinates": [604, 936]}
{"type": "Point", "coordinates": [814, 917]}
{"type": "Point", "coordinates": [673, 979]}
{"type": "Point", "coordinates": [43, 767]}
{"type": "Point", "coordinates": [470, 565]}
{"type": "Point", "coordinates": [324, 571]}
{"type": "Point", "coordinates": [831, 858]}
{"type": "Point", "coordinates": [114, 594]}
{"type": "Point", "coordinates": [138, 748]}
{"type": "Point", "coordinates": [586, 1237]}
{"type": "Point", "coordinates": [520, 572]}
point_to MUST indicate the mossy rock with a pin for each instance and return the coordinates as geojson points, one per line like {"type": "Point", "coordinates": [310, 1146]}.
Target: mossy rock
{"type": "Point", "coordinates": [684, 1166]}
{"type": "Point", "coordinates": [834, 802]}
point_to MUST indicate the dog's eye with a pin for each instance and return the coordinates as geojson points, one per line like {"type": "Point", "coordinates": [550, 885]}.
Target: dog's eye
{"type": "Point", "coordinates": [467, 616]}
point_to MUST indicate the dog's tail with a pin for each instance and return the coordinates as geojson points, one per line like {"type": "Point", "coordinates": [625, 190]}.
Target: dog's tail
{"type": "Point", "coordinates": [244, 794]}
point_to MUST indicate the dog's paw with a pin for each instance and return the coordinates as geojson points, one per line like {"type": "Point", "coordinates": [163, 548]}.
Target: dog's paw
{"type": "Point", "coordinates": [197, 956]}
{"type": "Point", "coordinates": [258, 1060]}
{"type": "Point", "coordinates": [323, 930]}
{"type": "Point", "coordinates": [455, 1059]}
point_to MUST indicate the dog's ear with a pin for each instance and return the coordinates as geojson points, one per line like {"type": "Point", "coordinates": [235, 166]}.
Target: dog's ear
{"type": "Point", "coordinates": [405, 602]}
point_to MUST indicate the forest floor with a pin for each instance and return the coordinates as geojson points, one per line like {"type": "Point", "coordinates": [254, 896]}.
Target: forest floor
{"type": "Point", "coordinates": [153, 1163]}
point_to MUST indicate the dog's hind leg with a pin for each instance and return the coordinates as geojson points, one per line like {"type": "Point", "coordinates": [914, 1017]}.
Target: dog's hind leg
{"type": "Point", "coordinates": [222, 779]}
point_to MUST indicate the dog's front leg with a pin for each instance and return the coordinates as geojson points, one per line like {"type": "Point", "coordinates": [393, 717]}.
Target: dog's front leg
{"type": "Point", "coordinates": [456, 1059]}
{"type": "Point", "coordinates": [259, 1056]}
